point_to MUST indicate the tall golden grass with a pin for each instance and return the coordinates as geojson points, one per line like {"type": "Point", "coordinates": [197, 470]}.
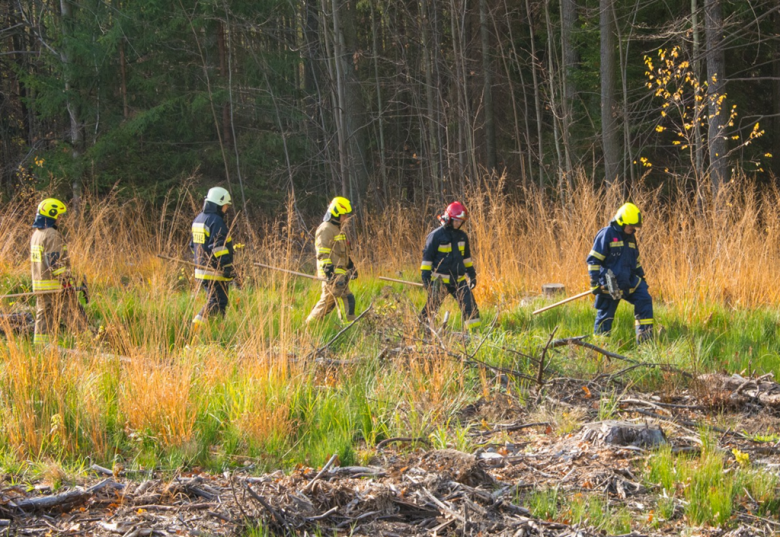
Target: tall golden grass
{"type": "Point", "coordinates": [695, 250]}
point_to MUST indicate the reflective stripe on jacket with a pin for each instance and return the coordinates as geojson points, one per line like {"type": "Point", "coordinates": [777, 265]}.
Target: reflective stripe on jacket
{"type": "Point", "coordinates": [332, 248]}
{"type": "Point", "coordinates": [447, 255]}
{"type": "Point", "coordinates": [616, 251]}
{"type": "Point", "coordinates": [211, 246]}
{"type": "Point", "coordinates": [48, 259]}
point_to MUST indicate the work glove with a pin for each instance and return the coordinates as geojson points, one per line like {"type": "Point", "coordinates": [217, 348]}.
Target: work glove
{"type": "Point", "coordinates": [426, 279]}
{"type": "Point", "coordinates": [329, 271]}
{"type": "Point", "coordinates": [472, 282]}
{"type": "Point", "coordinates": [353, 274]}
{"type": "Point", "coordinates": [595, 288]}
{"type": "Point", "coordinates": [228, 272]}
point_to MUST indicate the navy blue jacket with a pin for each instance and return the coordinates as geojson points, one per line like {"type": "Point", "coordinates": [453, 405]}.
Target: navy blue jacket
{"type": "Point", "coordinates": [211, 245]}
{"type": "Point", "coordinates": [447, 255]}
{"type": "Point", "coordinates": [616, 251]}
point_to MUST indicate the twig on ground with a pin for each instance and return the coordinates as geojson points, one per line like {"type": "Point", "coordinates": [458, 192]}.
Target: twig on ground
{"type": "Point", "coordinates": [321, 472]}
{"type": "Point", "coordinates": [387, 441]}
{"type": "Point", "coordinates": [540, 375]}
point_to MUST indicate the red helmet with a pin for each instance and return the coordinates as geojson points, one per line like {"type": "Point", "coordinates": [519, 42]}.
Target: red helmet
{"type": "Point", "coordinates": [455, 211]}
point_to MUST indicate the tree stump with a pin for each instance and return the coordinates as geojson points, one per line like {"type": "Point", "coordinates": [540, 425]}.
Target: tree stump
{"type": "Point", "coordinates": [552, 290]}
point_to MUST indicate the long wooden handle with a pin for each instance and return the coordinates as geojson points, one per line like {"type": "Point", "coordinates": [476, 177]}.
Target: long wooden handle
{"type": "Point", "coordinates": [562, 302]}
{"type": "Point", "coordinates": [32, 293]}
{"type": "Point", "coordinates": [294, 273]}
{"type": "Point", "coordinates": [183, 262]}
{"type": "Point", "coordinates": [401, 281]}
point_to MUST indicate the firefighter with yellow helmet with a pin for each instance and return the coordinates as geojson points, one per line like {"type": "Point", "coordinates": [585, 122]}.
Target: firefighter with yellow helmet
{"type": "Point", "coordinates": [615, 249]}
{"type": "Point", "coordinates": [334, 263]}
{"type": "Point", "coordinates": [50, 271]}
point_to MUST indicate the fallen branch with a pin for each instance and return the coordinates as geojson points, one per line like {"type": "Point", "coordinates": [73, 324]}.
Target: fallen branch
{"type": "Point", "coordinates": [321, 472]}
{"type": "Point", "coordinates": [387, 441]}
{"type": "Point", "coordinates": [540, 375]}
{"type": "Point", "coordinates": [508, 428]}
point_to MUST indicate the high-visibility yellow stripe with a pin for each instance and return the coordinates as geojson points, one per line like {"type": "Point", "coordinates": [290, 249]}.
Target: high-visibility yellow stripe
{"type": "Point", "coordinates": [46, 285]}
{"type": "Point", "coordinates": [616, 244]}
{"type": "Point", "coordinates": [445, 248]}
{"type": "Point", "coordinates": [426, 265]}
{"type": "Point", "coordinates": [461, 278]}
{"type": "Point", "coordinates": [58, 271]}
{"type": "Point", "coordinates": [468, 262]}
{"type": "Point", "coordinates": [198, 319]}
{"type": "Point", "coordinates": [210, 275]}
{"type": "Point", "coordinates": [632, 245]}
{"type": "Point", "coordinates": [341, 237]}
{"type": "Point", "coordinates": [643, 322]}
{"type": "Point", "coordinates": [221, 252]}
{"type": "Point", "coordinates": [444, 278]}
{"type": "Point", "coordinates": [471, 324]}
{"type": "Point", "coordinates": [323, 250]}
{"type": "Point", "coordinates": [593, 267]}
{"type": "Point", "coordinates": [340, 271]}
{"type": "Point", "coordinates": [597, 255]}
{"type": "Point", "coordinates": [325, 261]}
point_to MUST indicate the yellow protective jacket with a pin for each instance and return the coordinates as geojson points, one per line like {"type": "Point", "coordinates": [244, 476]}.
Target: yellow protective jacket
{"type": "Point", "coordinates": [48, 259]}
{"type": "Point", "coordinates": [332, 249]}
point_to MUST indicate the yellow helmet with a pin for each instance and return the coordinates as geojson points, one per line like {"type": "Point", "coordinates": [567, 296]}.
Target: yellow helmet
{"type": "Point", "coordinates": [339, 206]}
{"type": "Point", "coordinates": [52, 208]}
{"type": "Point", "coordinates": [629, 214]}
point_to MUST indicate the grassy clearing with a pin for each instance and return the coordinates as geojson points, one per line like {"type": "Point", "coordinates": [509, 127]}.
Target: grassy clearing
{"type": "Point", "coordinates": [147, 395]}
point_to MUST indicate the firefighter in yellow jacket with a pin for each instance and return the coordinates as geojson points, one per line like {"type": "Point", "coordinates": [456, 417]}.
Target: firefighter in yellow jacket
{"type": "Point", "coordinates": [334, 263]}
{"type": "Point", "coordinates": [50, 271]}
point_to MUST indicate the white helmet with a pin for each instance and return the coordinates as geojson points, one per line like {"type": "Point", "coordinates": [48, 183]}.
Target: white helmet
{"type": "Point", "coordinates": [219, 195]}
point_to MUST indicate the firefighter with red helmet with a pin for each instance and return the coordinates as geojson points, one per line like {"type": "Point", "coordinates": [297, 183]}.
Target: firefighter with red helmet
{"type": "Point", "coordinates": [447, 267]}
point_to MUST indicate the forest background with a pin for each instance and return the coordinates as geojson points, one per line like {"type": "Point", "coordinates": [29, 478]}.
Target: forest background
{"type": "Point", "coordinates": [386, 101]}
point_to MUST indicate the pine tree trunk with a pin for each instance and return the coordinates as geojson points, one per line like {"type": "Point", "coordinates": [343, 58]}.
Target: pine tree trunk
{"type": "Point", "coordinates": [609, 132]}
{"type": "Point", "coordinates": [716, 75]}
{"type": "Point", "coordinates": [537, 99]}
{"type": "Point", "coordinates": [490, 129]}
{"type": "Point", "coordinates": [698, 149]}
{"type": "Point", "coordinates": [776, 99]}
{"type": "Point", "coordinates": [569, 55]}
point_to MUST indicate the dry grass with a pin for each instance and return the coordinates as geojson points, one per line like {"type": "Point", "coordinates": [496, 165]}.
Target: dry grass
{"type": "Point", "coordinates": [239, 391]}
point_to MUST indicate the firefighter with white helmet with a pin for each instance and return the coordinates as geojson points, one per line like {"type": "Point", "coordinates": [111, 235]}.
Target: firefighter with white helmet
{"type": "Point", "coordinates": [615, 249]}
{"type": "Point", "coordinates": [334, 263]}
{"type": "Point", "coordinates": [212, 249]}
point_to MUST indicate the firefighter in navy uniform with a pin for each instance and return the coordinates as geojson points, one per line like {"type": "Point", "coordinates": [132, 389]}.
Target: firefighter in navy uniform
{"type": "Point", "coordinates": [615, 248]}
{"type": "Point", "coordinates": [446, 264]}
{"type": "Point", "coordinates": [334, 263]}
{"type": "Point", "coordinates": [213, 250]}
{"type": "Point", "coordinates": [51, 272]}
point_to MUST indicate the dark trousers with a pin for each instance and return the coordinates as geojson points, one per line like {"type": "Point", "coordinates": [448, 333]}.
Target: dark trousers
{"type": "Point", "coordinates": [438, 291]}
{"type": "Point", "coordinates": [606, 307]}
{"type": "Point", "coordinates": [216, 299]}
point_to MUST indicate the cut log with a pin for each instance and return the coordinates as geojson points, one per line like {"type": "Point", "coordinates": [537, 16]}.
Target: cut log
{"type": "Point", "coordinates": [552, 290]}
{"type": "Point", "coordinates": [623, 433]}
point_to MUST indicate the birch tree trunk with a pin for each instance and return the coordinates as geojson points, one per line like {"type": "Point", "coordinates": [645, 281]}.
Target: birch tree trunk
{"type": "Point", "coordinates": [76, 137]}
